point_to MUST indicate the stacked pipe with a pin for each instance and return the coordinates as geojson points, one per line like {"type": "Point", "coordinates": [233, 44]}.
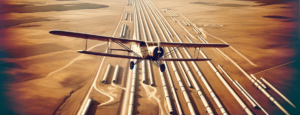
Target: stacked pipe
{"type": "Point", "coordinates": [256, 84]}
{"type": "Point", "coordinates": [116, 74]}
{"type": "Point", "coordinates": [177, 75]}
{"type": "Point", "coordinates": [280, 94]}
{"type": "Point", "coordinates": [106, 74]}
{"type": "Point", "coordinates": [86, 106]}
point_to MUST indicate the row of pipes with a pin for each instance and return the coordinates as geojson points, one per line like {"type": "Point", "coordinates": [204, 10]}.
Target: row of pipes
{"type": "Point", "coordinates": [191, 77]}
{"type": "Point", "coordinates": [163, 81]}
{"type": "Point", "coordinates": [115, 75]}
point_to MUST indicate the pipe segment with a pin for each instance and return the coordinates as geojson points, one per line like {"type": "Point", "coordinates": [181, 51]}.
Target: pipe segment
{"type": "Point", "coordinates": [121, 33]}
{"type": "Point", "coordinates": [116, 74]}
{"type": "Point", "coordinates": [86, 106]}
{"type": "Point", "coordinates": [106, 74]}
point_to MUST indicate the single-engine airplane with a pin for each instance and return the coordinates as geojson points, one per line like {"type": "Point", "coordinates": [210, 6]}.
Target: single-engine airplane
{"type": "Point", "coordinates": [143, 50]}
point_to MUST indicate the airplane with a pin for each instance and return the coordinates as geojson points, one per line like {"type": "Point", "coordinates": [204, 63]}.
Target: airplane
{"type": "Point", "coordinates": [142, 50]}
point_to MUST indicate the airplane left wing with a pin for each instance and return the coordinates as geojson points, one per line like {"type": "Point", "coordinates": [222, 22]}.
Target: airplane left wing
{"type": "Point", "coordinates": [94, 37]}
{"type": "Point", "coordinates": [184, 59]}
{"type": "Point", "coordinates": [107, 54]}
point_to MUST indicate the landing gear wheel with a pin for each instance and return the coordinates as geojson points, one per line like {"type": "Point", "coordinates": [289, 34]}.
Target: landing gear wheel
{"type": "Point", "coordinates": [131, 65]}
{"type": "Point", "coordinates": [162, 67]}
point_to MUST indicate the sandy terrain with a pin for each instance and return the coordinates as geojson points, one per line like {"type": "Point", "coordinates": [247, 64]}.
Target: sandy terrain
{"type": "Point", "coordinates": [44, 74]}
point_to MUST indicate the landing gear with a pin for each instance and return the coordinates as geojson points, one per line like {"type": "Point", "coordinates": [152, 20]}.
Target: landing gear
{"type": "Point", "coordinates": [162, 67]}
{"type": "Point", "coordinates": [131, 65]}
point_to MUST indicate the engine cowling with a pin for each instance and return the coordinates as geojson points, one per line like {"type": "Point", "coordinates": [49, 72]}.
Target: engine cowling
{"type": "Point", "coordinates": [155, 52]}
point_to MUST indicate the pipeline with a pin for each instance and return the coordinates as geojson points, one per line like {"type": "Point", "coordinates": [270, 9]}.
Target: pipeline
{"type": "Point", "coordinates": [280, 94]}
{"type": "Point", "coordinates": [251, 98]}
{"type": "Point", "coordinates": [86, 107]}
{"type": "Point", "coordinates": [106, 74]}
{"type": "Point", "coordinates": [116, 74]}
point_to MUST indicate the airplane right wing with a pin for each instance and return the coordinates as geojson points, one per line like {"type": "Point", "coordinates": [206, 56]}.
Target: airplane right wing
{"type": "Point", "coordinates": [107, 54]}
{"type": "Point", "coordinates": [184, 59]}
{"type": "Point", "coordinates": [176, 44]}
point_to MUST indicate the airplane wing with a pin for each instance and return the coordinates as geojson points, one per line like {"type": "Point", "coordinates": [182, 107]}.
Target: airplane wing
{"type": "Point", "coordinates": [107, 54]}
{"type": "Point", "coordinates": [184, 59]}
{"type": "Point", "coordinates": [131, 41]}
{"type": "Point", "coordinates": [93, 37]}
{"type": "Point", "coordinates": [176, 44]}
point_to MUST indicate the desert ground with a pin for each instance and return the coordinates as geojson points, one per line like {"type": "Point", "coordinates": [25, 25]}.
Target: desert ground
{"type": "Point", "coordinates": [43, 73]}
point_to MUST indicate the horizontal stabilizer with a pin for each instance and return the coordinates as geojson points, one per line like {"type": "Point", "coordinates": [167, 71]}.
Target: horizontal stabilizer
{"type": "Point", "coordinates": [107, 54]}
{"type": "Point", "coordinates": [184, 59]}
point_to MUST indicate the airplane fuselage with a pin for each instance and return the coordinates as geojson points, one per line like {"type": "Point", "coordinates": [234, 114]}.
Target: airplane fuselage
{"type": "Point", "coordinates": [149, 52]}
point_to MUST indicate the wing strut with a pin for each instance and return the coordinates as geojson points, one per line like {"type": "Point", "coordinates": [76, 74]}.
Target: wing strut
{"type": "Point", "coordinates": [197, 52]}
{"type": "Point", "coordinates": [85, 43]}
